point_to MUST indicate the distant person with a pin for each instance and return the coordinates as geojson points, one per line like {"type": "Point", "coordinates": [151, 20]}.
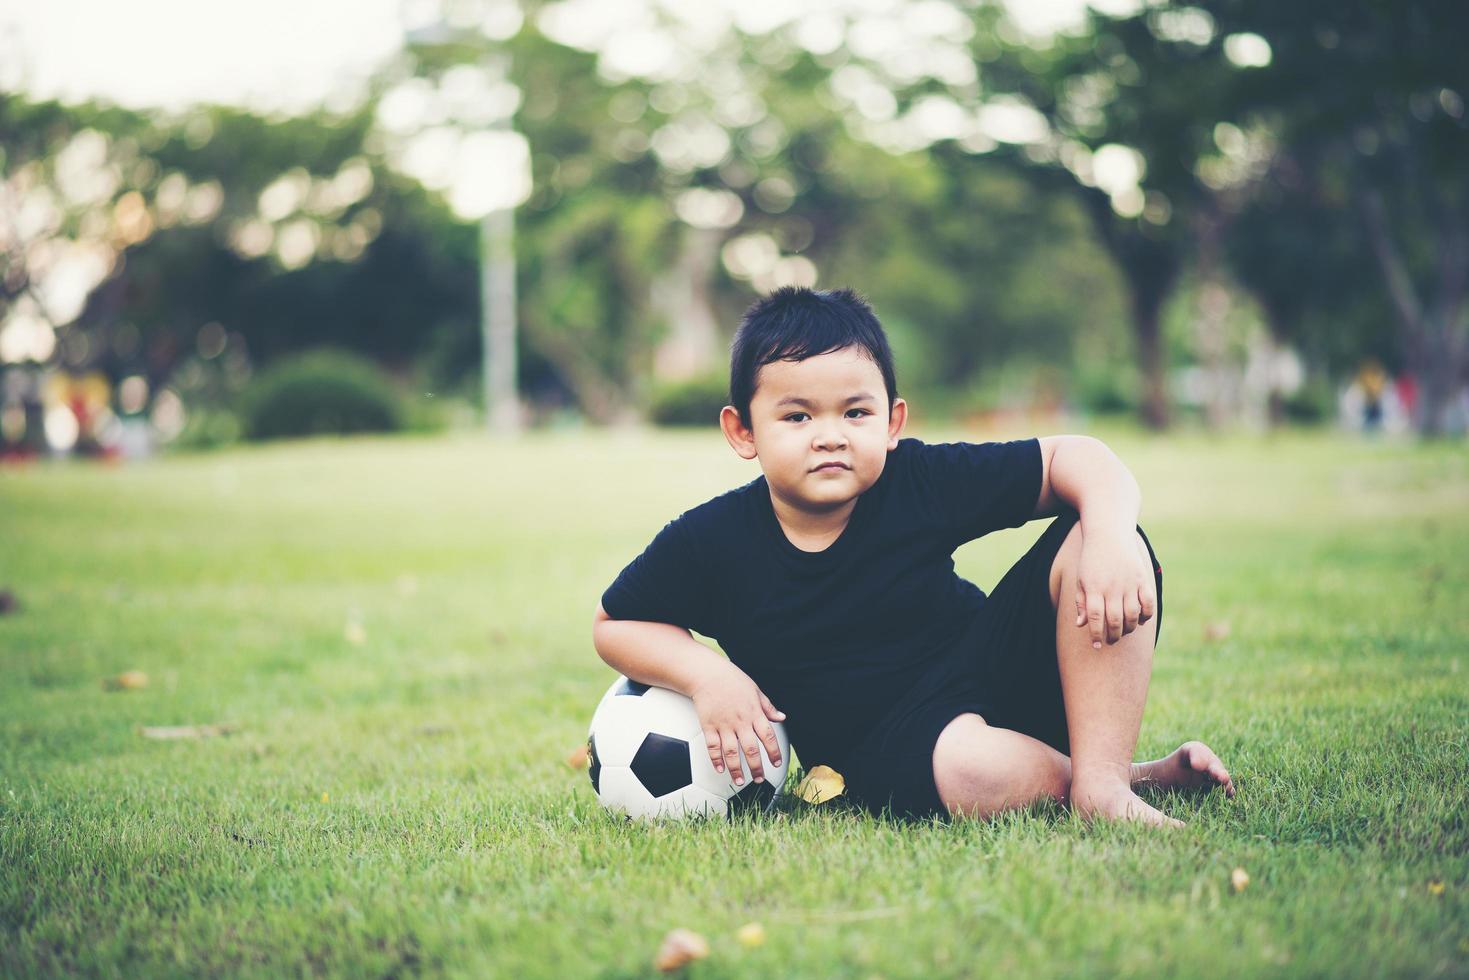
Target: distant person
{"type": "Point", "coordinates": [1373, 382]}
{"type": "Point", "coordinates": [830, 583]}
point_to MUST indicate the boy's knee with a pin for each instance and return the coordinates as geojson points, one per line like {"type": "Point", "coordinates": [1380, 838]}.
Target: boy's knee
{"type": "Point", "coordinates": [976, 777]}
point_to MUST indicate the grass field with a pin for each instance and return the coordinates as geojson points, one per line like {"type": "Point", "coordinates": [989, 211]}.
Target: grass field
{"type": "Point", "coordinates": [399, 630]}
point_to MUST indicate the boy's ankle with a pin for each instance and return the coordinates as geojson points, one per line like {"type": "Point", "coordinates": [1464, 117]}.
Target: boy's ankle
{"type": "Point", "coordinates": [1101, 778]}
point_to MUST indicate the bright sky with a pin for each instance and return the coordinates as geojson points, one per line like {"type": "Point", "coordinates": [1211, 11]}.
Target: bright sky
{"type": "Point", "coordinates": [275, 54]}
{"type": "Point", "coordinates": [268, 54]}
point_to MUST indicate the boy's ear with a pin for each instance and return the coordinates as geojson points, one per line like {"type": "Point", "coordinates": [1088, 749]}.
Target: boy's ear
{"type": "Point", "coordinates": [897, 418]}
{"type": "Point", "coordinates": [740, 439]}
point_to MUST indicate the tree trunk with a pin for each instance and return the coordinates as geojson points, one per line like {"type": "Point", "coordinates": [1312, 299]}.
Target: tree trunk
{"type": "Point", "coordinates": [1210, 327]}
{"type": "Point", "coordinates": [1147, 308]}
{"type": "Point", "coordinates": [598, 396]}
{"type": "Point", "coordinates": [681, 297]}
{"type": "Point", "coordinates": [1433, 337]}
{"type": "Point", "coordinates": [1150, 268]}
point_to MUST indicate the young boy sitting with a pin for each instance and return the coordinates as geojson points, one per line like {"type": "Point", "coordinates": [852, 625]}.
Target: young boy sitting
{"type": "Point", "coordinates": [829, 582]}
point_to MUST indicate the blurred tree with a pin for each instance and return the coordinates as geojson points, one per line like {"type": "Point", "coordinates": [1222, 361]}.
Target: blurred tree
{"type": "Point", "coordinates": [1368, 103]}
{"type": "Point", "coordinates": [1302, 255]}
{"type": "Point", "coordinates": [1129, 105]}
{"type": "Point", "coordinates": [224, 238]}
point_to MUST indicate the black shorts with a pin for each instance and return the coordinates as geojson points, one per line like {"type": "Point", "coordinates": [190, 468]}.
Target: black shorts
{"type": "Point", "coordinates": [1010, 677]}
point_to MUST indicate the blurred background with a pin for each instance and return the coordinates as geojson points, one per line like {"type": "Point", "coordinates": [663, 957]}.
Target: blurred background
{"type": "Point", "coordinates": [250, 221]}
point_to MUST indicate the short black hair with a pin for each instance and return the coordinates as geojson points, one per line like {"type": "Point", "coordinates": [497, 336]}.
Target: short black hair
{"type": "Point", "coordinates": [794, 323]}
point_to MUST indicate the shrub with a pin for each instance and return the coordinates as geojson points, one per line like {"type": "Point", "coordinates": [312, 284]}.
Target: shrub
{"type": "Point", "coordinates": [1107, 392]}
{"type": "Point", "coordinates": [1312, 404]}
{"type": "Point", "coordinates": [324, 391]}
{"type": "Point", "coordinates": [695, 402]}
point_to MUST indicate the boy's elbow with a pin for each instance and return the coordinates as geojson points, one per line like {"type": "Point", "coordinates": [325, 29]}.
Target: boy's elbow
{"type": "Point", "coordinates": [598, 618]}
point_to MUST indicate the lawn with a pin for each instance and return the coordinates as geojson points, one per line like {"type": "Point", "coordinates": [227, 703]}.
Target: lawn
{"type": "Point", "coordinates": [398, 631]}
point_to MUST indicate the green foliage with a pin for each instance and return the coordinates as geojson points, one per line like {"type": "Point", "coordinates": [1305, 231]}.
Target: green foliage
{"type": "Point", "coordinates": [208, 428]}
{"type": "Point", "coordinates": [695, 402]}
{"type": "Point", "coordinates": [1313, 404]}
{"type": "Point", "coordinates": [1106, 392]}
{"type": "Point", "coordinates": [320, 392]}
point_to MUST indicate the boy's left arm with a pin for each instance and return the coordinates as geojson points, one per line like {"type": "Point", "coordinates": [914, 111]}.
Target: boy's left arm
{"type": "Point", "coordinates": [1115, 590]}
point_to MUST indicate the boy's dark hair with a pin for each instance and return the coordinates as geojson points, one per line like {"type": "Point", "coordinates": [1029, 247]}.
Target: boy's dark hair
{"type": "Point", "coordinates": [794, 323]}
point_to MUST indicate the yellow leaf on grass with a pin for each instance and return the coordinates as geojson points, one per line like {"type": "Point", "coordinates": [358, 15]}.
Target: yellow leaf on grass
{"type": "Point", "coordinates": [128, 680]}
{"type": "Point", "coordinates": [354, 633]}
{"type": "Point", "coordinates": [679, 947]}
{"type": "Point", "coordinates": [822, 783]}
{"type": "Point", "coordinates": [1435, 887]}
{"type": "Point", "coordinates": [751, 934]}
{"type": "Point", "coordinates": [1238, 879]}
{"type": "Point", "coordinates": [579, 757]}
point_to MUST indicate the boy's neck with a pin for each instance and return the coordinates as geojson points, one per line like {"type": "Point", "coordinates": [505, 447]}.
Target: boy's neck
{"type": "Point", "coordinates": [811, 530]}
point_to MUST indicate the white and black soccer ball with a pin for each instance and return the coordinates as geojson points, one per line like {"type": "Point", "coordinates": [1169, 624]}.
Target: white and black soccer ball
{"type": "Point", "coordinates": [649, 760]}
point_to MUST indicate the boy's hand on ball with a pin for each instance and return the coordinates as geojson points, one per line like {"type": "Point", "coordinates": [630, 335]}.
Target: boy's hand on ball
{"type": "Point", "coordinates": [1115, 589]}
{"type": "Point", "coordinates": [735, 716]}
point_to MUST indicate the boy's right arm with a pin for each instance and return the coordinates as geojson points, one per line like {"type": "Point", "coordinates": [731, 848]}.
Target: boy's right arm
{"type": "Point", "coordinates": [733, 712]}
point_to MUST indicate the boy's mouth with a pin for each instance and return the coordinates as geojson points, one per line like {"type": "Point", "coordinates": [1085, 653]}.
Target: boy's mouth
{"type": "Point", "coordinates": [831, 466]}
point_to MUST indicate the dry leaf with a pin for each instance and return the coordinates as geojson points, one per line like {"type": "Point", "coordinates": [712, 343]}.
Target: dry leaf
{"type": "Point", "coordinates": [128, 680]}
{"type": "Point", "coordinates": [1214, 632]}
{"type": "Point", "coordinates": [579, 757]}
{"type": "Point", "coordinates": [679, 947]}
{"type": "Point", "coordinates": [185, 731]}
{"type": "Point", "coordinates": [354, 633]}
{"type": "Point", "coordinates": [8, 603]}
{"type": "Point", "coordinates": [1435, 887]}
{"type": "Point", "coordinates": [1238, 879]}
{"type": "Point", "coordinates": [751, 934]}
{"type": "Point", "coordinates": [822, 783]}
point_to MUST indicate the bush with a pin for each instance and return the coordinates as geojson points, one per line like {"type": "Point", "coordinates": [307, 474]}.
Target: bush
{"type": "Point", "coordinates": [324, 391]}
{"type": "Point", "coordinates": [693, 402]}
{"type": "Point", "coordinates": [208, 428]}
{"type": "Point", "coordinates": [1312, 404]}
{"type": "Point", "coordinates": [1107, 392]}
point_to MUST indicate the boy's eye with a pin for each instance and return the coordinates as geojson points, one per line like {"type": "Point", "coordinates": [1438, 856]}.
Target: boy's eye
{"type": "Point", "coordinates": [798, 416]}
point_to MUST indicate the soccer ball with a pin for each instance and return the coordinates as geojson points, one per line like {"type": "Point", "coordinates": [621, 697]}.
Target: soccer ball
{"type": "Point", "coordinates": [649, 760]}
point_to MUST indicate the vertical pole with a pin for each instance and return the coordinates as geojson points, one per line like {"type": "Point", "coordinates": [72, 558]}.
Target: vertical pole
{"type": "Point", "coordinates": [497, 321]}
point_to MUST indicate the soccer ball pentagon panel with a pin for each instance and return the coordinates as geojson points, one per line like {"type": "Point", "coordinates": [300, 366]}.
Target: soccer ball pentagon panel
{"type": "Point", "coordinates": [649, 761]}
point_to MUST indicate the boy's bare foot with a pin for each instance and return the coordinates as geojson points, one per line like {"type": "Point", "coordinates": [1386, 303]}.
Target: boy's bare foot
{"type": "Point", "coordinates": [1192, 764]}
{"type": "Point", "coordinates": [1116, 802]}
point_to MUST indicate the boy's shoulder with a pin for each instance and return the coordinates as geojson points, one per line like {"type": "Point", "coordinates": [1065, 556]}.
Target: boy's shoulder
{"type": "Point", "coordinates": [718, 510]}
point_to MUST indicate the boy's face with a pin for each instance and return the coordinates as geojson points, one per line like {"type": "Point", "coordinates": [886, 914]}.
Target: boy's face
{"type": "Point", "coordinates": [822, 428]}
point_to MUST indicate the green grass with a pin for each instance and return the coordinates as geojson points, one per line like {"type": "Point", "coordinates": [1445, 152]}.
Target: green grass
{"type": "Point", "coordinates": [402, 805]}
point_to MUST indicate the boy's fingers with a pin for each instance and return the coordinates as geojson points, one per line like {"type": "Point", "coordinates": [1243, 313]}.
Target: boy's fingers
{"type": "Point", "coordinates": [1114, 619]}
{"type": "Point", "coordinates": [711, 741]}
{"type": "Point", "coordinates": [1131, 611]}
{"type": "Point", "coordinates": [772, 745]}
{"type": "Point", "coordinates": [752, 750]}
{"type": "Point", "coordinates": [732, 756]}
{"type": "Point", "coordinates": [1095, 612]}
{"type": "Point", "coordinates": [1149, 600]}
{"type": "Point", "coordinates": [771, 711]}
{"type": "Point", "coordinates": [1080, 607]}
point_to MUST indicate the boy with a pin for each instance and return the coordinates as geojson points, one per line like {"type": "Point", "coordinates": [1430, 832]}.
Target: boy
{"type": "Point", "coordinates": [830, 584]}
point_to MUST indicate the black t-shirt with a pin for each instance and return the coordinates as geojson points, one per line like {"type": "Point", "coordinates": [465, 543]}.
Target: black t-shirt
{"type": "Point", "coordinates": [835, 637]}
